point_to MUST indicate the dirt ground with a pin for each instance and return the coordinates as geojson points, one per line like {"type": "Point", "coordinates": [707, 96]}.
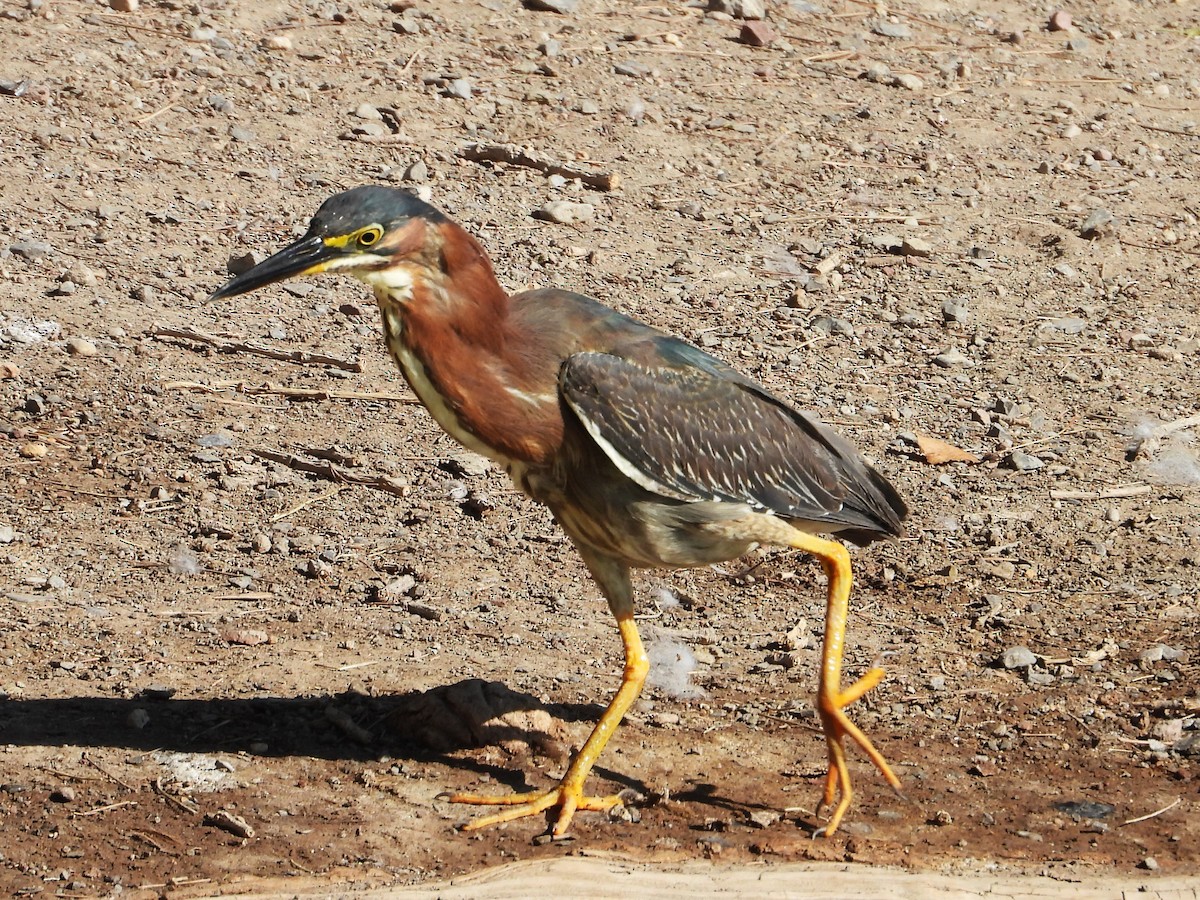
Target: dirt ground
{"type": "Point", "coordinates": [259, 612]}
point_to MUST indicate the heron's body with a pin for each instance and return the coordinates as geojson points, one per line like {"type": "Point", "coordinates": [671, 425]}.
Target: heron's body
{"type": "Point", "coordinates": [648, 451]}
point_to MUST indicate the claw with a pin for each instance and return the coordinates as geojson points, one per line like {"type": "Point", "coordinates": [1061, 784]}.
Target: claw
{"type": "Point", "coordinates": [569, 798]}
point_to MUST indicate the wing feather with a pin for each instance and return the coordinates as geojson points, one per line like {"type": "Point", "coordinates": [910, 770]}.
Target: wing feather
{"type": "Point", "coordinates": [704, 434]}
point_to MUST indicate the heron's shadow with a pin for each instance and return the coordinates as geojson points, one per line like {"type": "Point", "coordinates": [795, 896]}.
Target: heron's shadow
{"type": "Point", "coordinates": [423, 726]}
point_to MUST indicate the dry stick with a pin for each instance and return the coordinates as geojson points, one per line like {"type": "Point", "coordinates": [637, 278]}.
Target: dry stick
{"type": "Point", "coordinates": [109, 775]}
{"type": "Point", "coordinates": [222, 346]}
{"type": "Point", "coordinates": [162, 109]}
{"type": "Point", "coordinates": [331, 472]}
{"type": "Point", "coordinates": [1183, 132]}
{"type": "Point", "coordinates": [1168, 248]}
{"type": "Point", "coordinates": [100, 809]}
{"type": "Point", "coordinates": [170, 35]}
{"type": "Point", "coordinates": [332, 492]}
{"type": "Point", "coordinates": [1132, 490]}
{"type": "Point", "coordinates": [517, 156]}
{"type": "Point", "coordinates": [189, 806]}
{"type": "Point", "coordinates": [302, 394]}
{"type": "Point", "coordinates": [1157, 812]}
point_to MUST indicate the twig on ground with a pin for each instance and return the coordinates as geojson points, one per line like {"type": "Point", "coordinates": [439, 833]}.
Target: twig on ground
{"type": "Point", "coordinates": [99, 809]}
{"type": "Point", "coordinates": [330, 472]}
{"type": "Point", "coordinates": [1158, 812]}
{"type": "Point", "coordinates": [223, 346]}
{"type": "Point", "coordinates": [107, 774]}
{"type": "Point", "coordinates": [1117, 493]}
{"type": "Point", "coordinates": [517, 156]}
{"type": "Point", "coordinates": [332, 492]}
{"type": "Point", "coordinates": [298, 394]}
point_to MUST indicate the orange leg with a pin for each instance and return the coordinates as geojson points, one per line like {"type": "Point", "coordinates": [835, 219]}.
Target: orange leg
{"type": "Point", "coordinates": [568, 796]}
{"type": "Point", "coordinates": [832, 699]}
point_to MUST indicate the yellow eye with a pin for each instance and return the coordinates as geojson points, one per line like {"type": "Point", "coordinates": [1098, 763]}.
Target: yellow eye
{"type": "Point", "coordinates": [369, 236]}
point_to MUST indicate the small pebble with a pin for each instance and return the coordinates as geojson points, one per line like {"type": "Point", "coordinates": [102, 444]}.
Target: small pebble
{"type": "Point", "coordinates": [908, 81]}
{"type": "Point", "coordinates": [632, 69]}
{"type": "Point", "coordinates": [757, 34]}
{"type": "Point", "coordinates": [64, 794]}
{"type": "Point", "coordinates": [891, 29]}
{"type": "Point", "coordinates": [82, 275]}
{"type": "Point", "coordinates": [563, 7]}
{"type": "Point", "coordinates": [138, 718]}
{"type": "Point", "coordinates": [276, 42]}
{"type": "Point", "coordinates": [915, 246]}
{"type": "Point", "coordinates": [1060, 20]}
{"type": "Point", "coordinates": [1150, 864]}
{"type": "Point", "coordinates": [739, 9]}
{"type": "Point", "coordinates": [78, 346]}
{"type": "Point", "coordinates": [951, 359]}
{"type": "Point", "coordinates": [1097, 224]}
{"type": "Point", "coordinates": [123, 5]}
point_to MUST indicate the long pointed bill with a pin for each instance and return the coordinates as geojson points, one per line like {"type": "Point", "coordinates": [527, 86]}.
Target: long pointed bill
{"type": "Point", "coordinates": [307, 256]}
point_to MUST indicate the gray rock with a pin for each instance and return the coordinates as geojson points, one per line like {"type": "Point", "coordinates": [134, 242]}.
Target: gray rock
{"type": "Point", "coordinates": [563, 7]}
{"type": "Point", "coordinates": [30, 250]}
{"type": "Point", "coordinates": [1017, 658]}
{"type": "Point", "coordinates": [1066, 325]}
{"type": "Point", "coordinates": [632, 68]}
{"type": "Point", "coordinates": [1097, 224]}
{"type": "Point", "coordinates": [239, 263]}
{"type": "Point", "coordinates": [951, 359]}
{"type": "Point", "coordinates": [565, 212]}
{"type": "Point", "coordinates": [1024, 462]}
{"type": "Point", "coordinates": [418, 172]}
{"type": "Point", "coordinates": [908, 81]}
{"type": "Point", "coordinates": [891, 29]}
{"type": "Point", "coordinates": [220, 103]}
{"type": "Point", "coordinates": [1156, 652]}
{"type": "Point", "coordinates": [460, 88]}
{"type": "Point", "coordinates": [739, 9]}
{"type": "Point", "coordinates": [884, 242]}
{"type": "Point", "coordinates": [954, 309]}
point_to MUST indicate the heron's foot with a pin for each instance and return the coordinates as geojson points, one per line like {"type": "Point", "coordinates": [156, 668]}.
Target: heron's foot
{"type": "Point", "coordinates": [567, 797]}
{"type": "Point", "coordinates": [837, 727]}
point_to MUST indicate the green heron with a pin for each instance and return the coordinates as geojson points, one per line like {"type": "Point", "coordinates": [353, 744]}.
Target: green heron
{"type": "Point", "coordinates": [648, 451]}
